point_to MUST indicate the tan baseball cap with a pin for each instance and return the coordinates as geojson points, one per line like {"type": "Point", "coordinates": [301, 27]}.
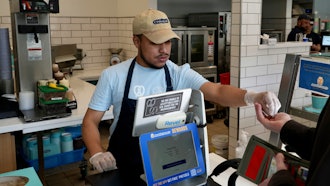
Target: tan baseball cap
{"type": "Point", "coordinates": [155, 25]}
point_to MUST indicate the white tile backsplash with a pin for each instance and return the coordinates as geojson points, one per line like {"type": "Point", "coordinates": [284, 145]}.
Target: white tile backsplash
{"type": "Point", "coordinates": [250, 19]}
{"type": "Point", "coordinates": [249, 61]}
{"type": "Point", "coordinates": [275, 69]}
{"type": "Point", "coordinates": [251, 50]}
{"type": "Point", "coordinates": [247, 122]}
{"type": "Point", "coordinates": [265, 80]}
{"type": "Point", "coordinates": [253, 30]}
{"type": "Point", "coordinates": [267, 59]}
{"type": "Point", "coordinates": [254, 8]}
{"type": "Point", "coordinates": [249, 82]}
{"type": "Point", "coordinates": [256, 71]}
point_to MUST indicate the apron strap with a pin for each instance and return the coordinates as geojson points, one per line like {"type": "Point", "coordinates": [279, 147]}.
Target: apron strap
{"type": "Point", "coordinates": [169, 86]}
{"type": "Point", "coordinates": [129, 79]}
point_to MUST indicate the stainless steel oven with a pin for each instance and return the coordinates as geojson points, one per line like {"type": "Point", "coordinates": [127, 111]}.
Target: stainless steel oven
{"type": "Point", "coordinates": [194, 46]}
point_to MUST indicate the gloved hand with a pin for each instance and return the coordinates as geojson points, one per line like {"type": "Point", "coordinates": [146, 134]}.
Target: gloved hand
{"type": "Point", "coordinates": [103, 161]}
{"type": "Point", "coordinates": [268, 100]}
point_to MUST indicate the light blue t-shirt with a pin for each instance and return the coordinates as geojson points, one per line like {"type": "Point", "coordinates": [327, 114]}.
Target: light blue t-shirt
{"type": "Point", "coordinates": [145, 81]}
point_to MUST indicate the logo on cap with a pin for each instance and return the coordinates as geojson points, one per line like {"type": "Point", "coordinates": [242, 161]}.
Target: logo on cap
{"type": "Point", "coordinates": [160, 21]}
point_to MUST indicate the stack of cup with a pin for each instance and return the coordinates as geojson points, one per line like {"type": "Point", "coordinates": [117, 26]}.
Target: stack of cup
{"type": "Point", "coordinates": [26, 100]}
{"type": "Point", "coordinates": [66, 142]}
{"type": "Point", "coordinates": [67, 146]}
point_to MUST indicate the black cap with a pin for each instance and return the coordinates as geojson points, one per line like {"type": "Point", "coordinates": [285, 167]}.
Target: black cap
{"type": "Point", "coordinates": [304, 16]}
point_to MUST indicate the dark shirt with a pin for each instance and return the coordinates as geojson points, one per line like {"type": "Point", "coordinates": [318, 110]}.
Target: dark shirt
{"type": "Point", "coordinates": [294, 31]}
{"type": "Point", "coordinates": [312, 144]}
{"type": "Point", "coordinates": [314, 37]}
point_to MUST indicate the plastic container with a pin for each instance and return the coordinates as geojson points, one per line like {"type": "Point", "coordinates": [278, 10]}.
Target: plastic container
{"type": "Point", "coordinates": [53, 107]}
{"type": "Point", "coordinates": [48, 93]}
{"type": "Point", "coordinates": [66, 142]}
{"type": "Point", "coordinates": [220, 143]}
{"type": "Point", "coordinates": [74, 130]}
{"type": "Point", "coordinates": [225, 78]}
{"type": "Point", "coordinates": [58, 159]}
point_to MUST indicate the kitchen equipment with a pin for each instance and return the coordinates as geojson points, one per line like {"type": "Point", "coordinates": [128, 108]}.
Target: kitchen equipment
{"type": "Point", "coordinates": [6, 72]}
{"type": "Point", "coordinates": [32, 50]}
{"type": "Point", "coordinates": [193, 47]}
{"type": "Point", "coordinates": [65, 56]}
{"type": "Point", "coordinates": [80, 55]}
{"type": "Point", "coordinates": [221, 21]}
{"type": "Point", "coordinates": [114, 58]}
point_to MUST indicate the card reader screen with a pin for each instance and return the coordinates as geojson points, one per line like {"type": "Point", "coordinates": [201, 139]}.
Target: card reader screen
{"type": "Point", "coordinates": [172, 155]}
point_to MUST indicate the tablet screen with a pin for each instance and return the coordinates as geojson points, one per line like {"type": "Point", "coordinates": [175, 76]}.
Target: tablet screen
{"type": "Point", "coordinates": [326, 40]}
{"type": "Point", "coordinates": [172, 155]}
{"type": "Point", "coordinates": [177, 154]}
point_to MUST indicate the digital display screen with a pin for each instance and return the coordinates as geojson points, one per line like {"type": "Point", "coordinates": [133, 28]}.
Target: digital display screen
{"type": "Point", "coordinates": [326, 41]}
{"type": "Point", "coordinates": [172, 155]}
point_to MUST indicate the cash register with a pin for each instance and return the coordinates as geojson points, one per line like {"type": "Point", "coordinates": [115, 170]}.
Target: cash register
{"type": "Point", "coordinates": [177, 154]}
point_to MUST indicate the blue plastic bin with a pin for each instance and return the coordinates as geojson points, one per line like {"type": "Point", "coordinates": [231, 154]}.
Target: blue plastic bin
{"type": "Point", "coordinates": [58, 159]}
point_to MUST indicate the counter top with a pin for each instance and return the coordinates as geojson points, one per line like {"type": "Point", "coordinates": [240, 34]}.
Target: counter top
{"type": "Point", "coordinates": [82, 91]}
{"type": "Point", "coordinates": [286, 45]}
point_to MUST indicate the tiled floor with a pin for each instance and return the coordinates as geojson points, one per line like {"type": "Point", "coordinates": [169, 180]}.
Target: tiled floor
{"type": "Point", "coordinates": [70, 174]}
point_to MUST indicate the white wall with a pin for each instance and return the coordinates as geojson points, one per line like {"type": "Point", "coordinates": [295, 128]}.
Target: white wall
{"type": "Point", "coordinates": [4, 8]}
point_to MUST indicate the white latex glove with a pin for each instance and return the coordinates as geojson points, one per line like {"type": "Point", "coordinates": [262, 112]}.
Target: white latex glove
{"type": "Point", "coordinates": [103, 161]}
{"type": "Point", "coordinates": [268, 100]}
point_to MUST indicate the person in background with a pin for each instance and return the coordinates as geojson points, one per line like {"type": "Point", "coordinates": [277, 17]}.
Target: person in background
{"type": "Point", "coordinates": [305, 27]}
{"type": "Point", "coordinates": [312, 144]}
{"type": "Point", "coordinates": [303, 23]}
{"type": "Point", "coordinates": [314, 38]}
{"type": "Point", "coordinates": [150, 72]}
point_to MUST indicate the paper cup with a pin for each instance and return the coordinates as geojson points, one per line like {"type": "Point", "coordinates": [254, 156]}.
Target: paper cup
{"type": "Point", "coordinates": [26, 100]}
{"type": "Point", "coordinates": [318, 102]}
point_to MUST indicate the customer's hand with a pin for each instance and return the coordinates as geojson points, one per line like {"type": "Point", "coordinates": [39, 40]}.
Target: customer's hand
{"type": "Point", "coordinates": [268, 100]}
{"type": "Point", "coordinates": [280, 165]}
{"type": "Point", "coordinates": [275, 123]}
{"type": "Point", "coordinates": [103, 161]}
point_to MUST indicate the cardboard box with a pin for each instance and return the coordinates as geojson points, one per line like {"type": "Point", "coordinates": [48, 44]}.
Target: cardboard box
{"type": "Point", "coordinates": [8, 156]}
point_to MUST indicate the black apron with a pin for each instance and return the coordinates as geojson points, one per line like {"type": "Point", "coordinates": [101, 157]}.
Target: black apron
{"type": "Point", "coordinates": [122, 144]}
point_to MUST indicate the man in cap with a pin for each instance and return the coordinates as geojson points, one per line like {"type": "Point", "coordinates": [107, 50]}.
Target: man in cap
{"type": "Point", "coordinates": [303, 23]}
{"type": "Point", "coordinates": [305, 27]}
{"type": "Point", "coordinates": [150, 72]}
